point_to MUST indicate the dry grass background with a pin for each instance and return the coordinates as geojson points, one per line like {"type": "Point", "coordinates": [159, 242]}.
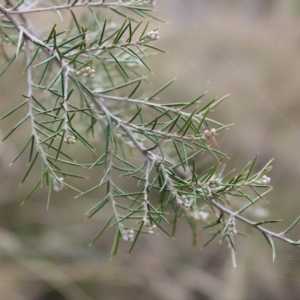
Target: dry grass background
{"type": "Point", "coordinates": [250, 49]}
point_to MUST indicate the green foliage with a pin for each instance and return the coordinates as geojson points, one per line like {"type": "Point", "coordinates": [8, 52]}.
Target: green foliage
{"type": "Point", "coordinates": [86, 87]}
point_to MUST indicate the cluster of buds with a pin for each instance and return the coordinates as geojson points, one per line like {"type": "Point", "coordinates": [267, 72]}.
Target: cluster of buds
{"type": "Point", "coordinates": [150, 227]}
{"type": "Point", "coordinates": [214, 182]}
{"type": "Point", "coordinates": [86, 72]}
{"type": "Point", "coordinates": [151, 36]}
{"type": "Point", "coordinates": [58, 184]}
{"type": "Point", "coordinates": [199, 215]}
{"type": "Point", "coordinates": [184, 202]}
{"type": "Point", "coordinates": [231, 228]}
{"type": "Point", "coordinates": [70, 139]}
{"type": "Point", "coordinates": [265, 180]}
{"type": "Point", "coordinates": [128, 235]}
{"type": "Point", "coordinates": [210, 133]}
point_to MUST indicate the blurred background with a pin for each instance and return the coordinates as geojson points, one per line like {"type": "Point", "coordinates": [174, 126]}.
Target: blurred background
{"type": "Point", "coordinates": [250, 49]}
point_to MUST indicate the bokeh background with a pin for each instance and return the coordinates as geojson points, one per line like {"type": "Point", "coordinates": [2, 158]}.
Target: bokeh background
{"type": "Point", "coordinates": [250, 49]}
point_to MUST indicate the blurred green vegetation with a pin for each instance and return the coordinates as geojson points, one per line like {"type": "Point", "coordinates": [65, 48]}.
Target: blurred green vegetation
{"type": "Point", "coordinates": [250, 49]}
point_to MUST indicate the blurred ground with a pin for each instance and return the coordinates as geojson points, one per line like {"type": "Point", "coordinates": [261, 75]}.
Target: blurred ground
{"type": "Point", "coordinates": [250, 49]}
